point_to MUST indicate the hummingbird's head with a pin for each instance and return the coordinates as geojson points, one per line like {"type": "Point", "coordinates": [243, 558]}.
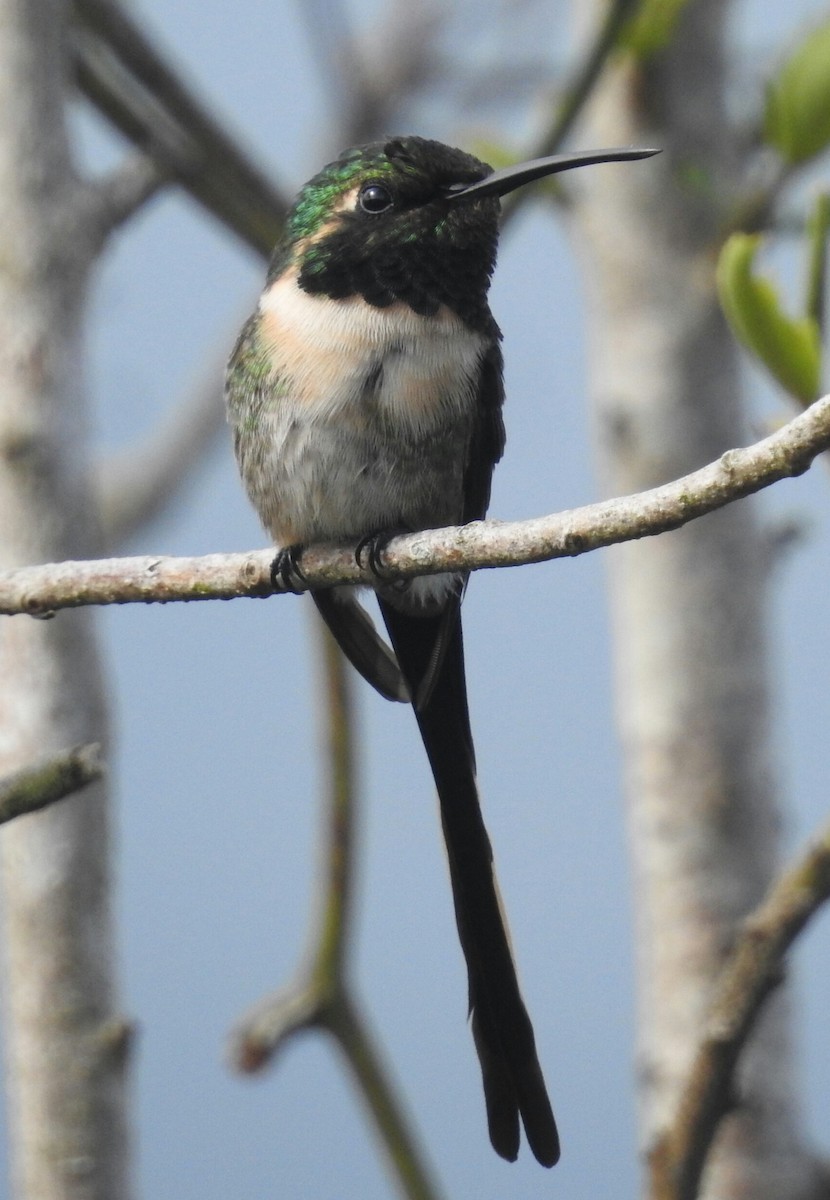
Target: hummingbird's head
{"type": "Point", "coordinates": [379, 222]}
{"type": "Point", "coordinates": [408, 221]}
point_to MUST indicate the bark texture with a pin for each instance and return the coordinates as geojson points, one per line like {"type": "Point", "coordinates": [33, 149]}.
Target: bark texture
{"type": "Point", "coordinates": [689, 608]}
{"type": "Point", "coordinates": [65, 1047]}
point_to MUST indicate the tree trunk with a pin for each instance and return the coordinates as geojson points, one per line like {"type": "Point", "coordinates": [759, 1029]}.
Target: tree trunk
{"type": "Point", "coordinates": [65, 1047]}
{"type": "Point", "coordinates": [689, 608]}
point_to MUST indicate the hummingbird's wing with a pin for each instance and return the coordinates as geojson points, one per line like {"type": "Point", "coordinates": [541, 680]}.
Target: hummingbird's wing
{"type": "Point", "coordinates": [485, 450]}
{"type": "Point", "coordinates": [487, 442]}
{"type": "Point", "coordinates": [346, 617]}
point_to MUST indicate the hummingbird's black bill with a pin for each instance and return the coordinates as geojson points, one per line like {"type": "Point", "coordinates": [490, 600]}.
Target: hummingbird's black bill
{"type": "Point", "coordinates": [506, 180]}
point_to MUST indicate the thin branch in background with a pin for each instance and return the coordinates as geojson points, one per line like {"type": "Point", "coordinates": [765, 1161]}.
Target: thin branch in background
{"type": "Point", "coordinates": [787, 452]}
{"type": "Point", "coordinates": [43, 783]}
{"type": "Point", "coordinates": [575, 95]}
{"type": "Point", "coordinates": [818, 225]}
{"type": "Point", "coordinates": [585, 77]}
{"type": "Point", "coordinates": [320, 998]}
{"type": "Point", "coordinates": [136, 486]}
{"type": "Point", "coordinates": [111, 201]}
{"type": "Point", "coordinates": [370, 77]}
{"type": "Point", "coordinates": [401, 60]}
{"type": "Point", "coordinates": [755, 968]}
{"type": "Point", "coordinates": [339, 65]}
{"type": "Point", "coordinates": [759, 207]}
{"type": "Point", "coordinates": [129, 80]}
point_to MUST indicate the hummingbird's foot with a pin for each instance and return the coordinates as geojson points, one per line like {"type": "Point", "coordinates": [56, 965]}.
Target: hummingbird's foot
{"type": "Point", "coordinates": [286, 572]}
{"type": "Point", "coordinates": [369, 552]}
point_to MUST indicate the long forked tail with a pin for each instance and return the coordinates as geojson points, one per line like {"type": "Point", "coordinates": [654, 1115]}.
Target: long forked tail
{"type": "Point", "coordinates": [511, 1075]}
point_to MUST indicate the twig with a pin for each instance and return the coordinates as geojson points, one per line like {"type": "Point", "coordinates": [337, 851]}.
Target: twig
{"type": "Point", "coordinates": [754, 970]}
{"type": "Point", "coordinates": [320, 997]}
{"type": "Point", "coordinates": [45, 782]}
{"type": "Point", "coordinates": [818, 225]}
{"type": "Point", "coordinates": [111, 201]}
{"type": "Point", "coordinates": [755, 211]}
{"type": "Point", "coordinates": [126, 189]}
{"type": "Point", "coordinates": [353, 1036]}
{"type": "Point", "coordinates": [787, 452]}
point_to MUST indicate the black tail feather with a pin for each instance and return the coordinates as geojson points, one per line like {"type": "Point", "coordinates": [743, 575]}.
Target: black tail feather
{"type": "Point", "coordinates": [511, 1075]}
{"type": "Point", "coordinates": [363, 646]}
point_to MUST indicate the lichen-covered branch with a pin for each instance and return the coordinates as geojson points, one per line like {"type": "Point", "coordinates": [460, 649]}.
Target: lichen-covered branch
{"type": "Point", "coordinates": [737, 473]}
{"type": "Point", "coordinates": [41, 784]}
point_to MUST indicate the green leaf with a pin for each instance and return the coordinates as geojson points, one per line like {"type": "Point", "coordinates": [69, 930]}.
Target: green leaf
{"type": "Point", "coordinates": [789, 348]}
{"type": "Point", "coordinates": [797, 114]}
{"type": "Point", "coordinates": [651, 28]}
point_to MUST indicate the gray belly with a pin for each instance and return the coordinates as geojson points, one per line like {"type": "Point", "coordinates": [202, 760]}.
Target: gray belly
{"type": "Point", "coordinates": [339, 476]}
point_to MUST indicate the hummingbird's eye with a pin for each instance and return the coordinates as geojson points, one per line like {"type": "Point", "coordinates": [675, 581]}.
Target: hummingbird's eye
{"type": "Point", "coordinates": [375, 198]}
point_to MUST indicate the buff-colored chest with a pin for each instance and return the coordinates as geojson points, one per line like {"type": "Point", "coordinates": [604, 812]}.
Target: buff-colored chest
{"type": "Point", "coordinates": [345, 361]}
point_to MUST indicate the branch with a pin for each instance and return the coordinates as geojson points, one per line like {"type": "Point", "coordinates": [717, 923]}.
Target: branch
{"type": "Point", "coordinates": [754, 970]}
{"type": "Point", "coordinates": [130, 82]}
{"type": "Point", "coordinates": [128, 79]}
{"type": "Point", "coordinates": [108, 203]}
{"type": "Point", "coordinates": [737, 473]}
{"type": "Point", "coordinates": [320, 997]}
{"type": "Point", "coordinates": [37, 786]}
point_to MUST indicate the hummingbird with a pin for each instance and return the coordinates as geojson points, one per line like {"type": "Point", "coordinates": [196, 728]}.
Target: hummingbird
{"type": "Point", "coordinates": [365, 397]}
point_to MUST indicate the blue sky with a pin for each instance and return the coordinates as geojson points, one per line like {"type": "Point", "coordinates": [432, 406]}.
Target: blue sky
{"type": "Point", "coordinates": [217, 759]}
